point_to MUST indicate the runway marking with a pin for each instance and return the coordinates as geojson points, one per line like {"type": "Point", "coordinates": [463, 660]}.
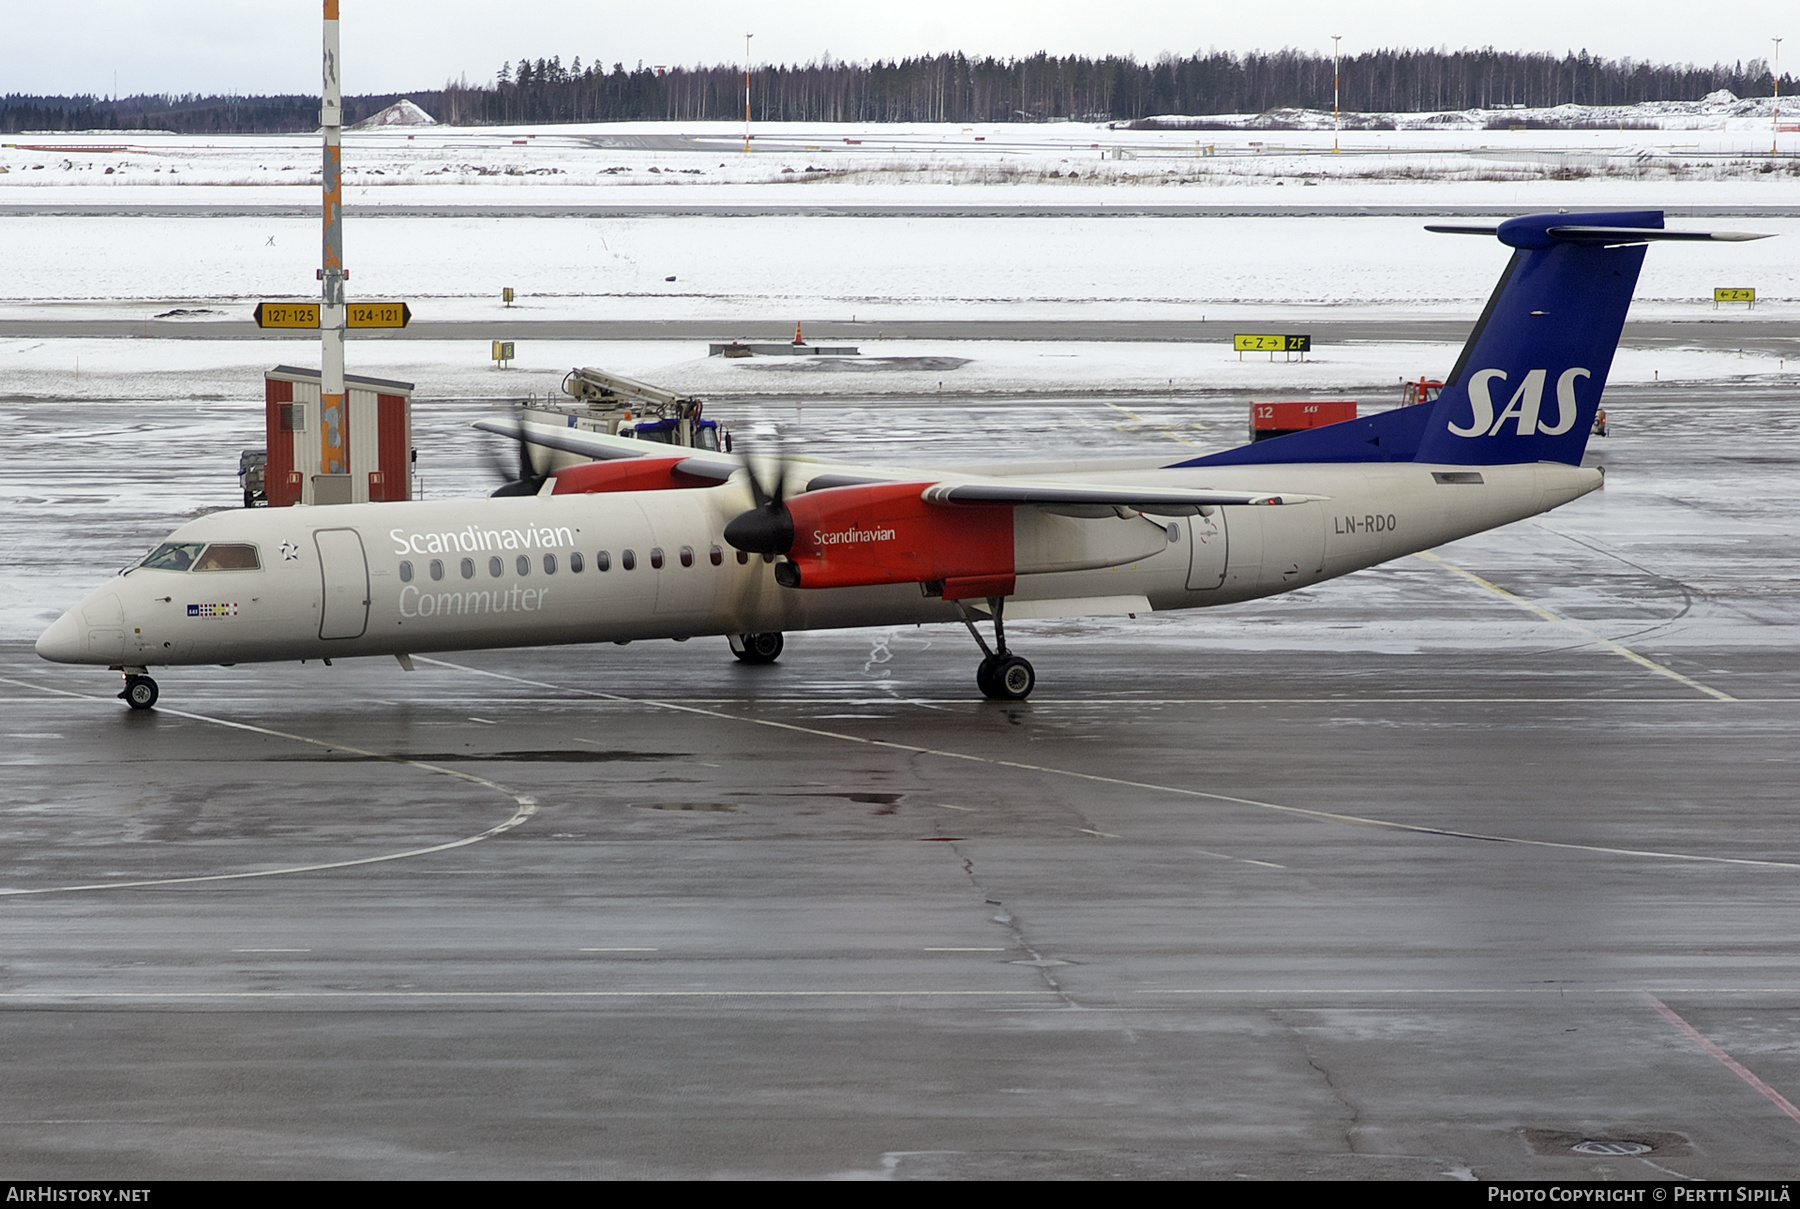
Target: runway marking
{"type": "Point", "coordinates": [1097, 701]}
{"type": "Point", "coordinates": [1105, 835]}
{"type": "Point", "coordinates": [1731, 1064]}
{"type": "Point", "coordinates": [198, 996]}
{"type": "Point", "coordinates": [961, 949]}
{"type": "Point", "coordinates": [1553, 989]}
{"type": "Point", "coordinates": [883, 993]}
{"type": "Point", "coordinates": [623, 949]}
{"type": "Point", "coordinates": [1226, 856]}
{"type": "Point", "coordinates": [1329, 816]}
{"type": "Point", "coordinates": [485, 721]}
{"type": "Point", "coordinates": [1623, 652]}
{"type": "Point", "coordinates": [271, 950]}
{"type": "Point", "coordinates": [524, 807]}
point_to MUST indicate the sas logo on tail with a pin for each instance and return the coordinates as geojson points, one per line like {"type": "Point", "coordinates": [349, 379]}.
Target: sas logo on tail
{"type": "Point", "coordinates": [1523, 407]}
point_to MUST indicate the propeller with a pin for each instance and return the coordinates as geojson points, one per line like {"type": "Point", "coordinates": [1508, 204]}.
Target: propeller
{"type": "Point", "coordinates": [768, 528]}
{"type": "Point", "coordinates": [522, 479]}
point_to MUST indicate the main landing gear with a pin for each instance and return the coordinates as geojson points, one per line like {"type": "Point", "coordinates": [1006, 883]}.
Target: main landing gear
{"type": "Point", "coordinates": [757, 648]}
{"type": "Point", "coordinates": [140, 690]}
{"type": "Point", "coordinates": [1001, 675]}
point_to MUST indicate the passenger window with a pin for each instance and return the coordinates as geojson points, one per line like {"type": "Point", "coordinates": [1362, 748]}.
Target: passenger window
{"type": "Point", "coordinates": [496, 568]}
{"type": "Point", "coordinates": [575, 563]}
{"type": "Point", "coordinates": [687, 556]}
{"type": "Point", "coordinates": [173, 556]}
{"type": "Point", "coordinates": [524, 565]}
{"type": "Point", "coordinates": [405, 572]}
{"type": "Point", "coordinates": [549, 564]}
{"type": "Point", "coordinates": [468, 568]}
{"type": "Point", "coordinates": [222, 557]}
{"type": "Point", "coordinates": [717, 555]}
{"type": "Point", "coordinates": [603, 561]}
{"type": "Point", "coordinates": [656, 558]}
{"type": "Point", "coordinates": [743, 557]}
{"type": "Point", "coordinates": [437, 568]}
{"type": "Point", "coordinates": [628, 560]}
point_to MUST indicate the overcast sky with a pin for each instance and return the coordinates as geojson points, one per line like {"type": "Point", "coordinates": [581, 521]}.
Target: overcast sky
{"type": "Point", "coordinates": [271, 46]}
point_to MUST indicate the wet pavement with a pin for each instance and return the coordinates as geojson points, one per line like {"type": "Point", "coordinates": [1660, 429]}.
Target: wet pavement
{"type": "Point", "coordinates": [1395, 877]}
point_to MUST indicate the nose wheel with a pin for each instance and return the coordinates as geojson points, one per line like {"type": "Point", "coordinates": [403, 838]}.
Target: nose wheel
{"type": "Point", "coordinates": [1001, 675]}
{"type": "Point", "coordinates": [140, 692]}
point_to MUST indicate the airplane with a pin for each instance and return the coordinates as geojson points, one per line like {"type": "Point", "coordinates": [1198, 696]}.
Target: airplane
{"type": "Point", "coordinates": [643, 541]}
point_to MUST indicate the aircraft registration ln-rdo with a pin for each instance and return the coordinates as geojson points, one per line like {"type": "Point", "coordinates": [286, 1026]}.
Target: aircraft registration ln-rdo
{"type": "Point", "coordinates": [640, 544]}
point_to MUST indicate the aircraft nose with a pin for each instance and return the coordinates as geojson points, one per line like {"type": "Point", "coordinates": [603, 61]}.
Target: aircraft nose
{"type": "Point", "coordinates": [63, 641]}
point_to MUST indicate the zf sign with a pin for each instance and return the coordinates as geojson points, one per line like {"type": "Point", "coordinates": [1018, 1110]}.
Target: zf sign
{"type": "Point", "coordinates": [1271, 344]}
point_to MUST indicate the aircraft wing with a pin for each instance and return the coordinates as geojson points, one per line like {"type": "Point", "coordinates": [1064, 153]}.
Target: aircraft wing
{"type": "Point", "coordinates": [604, 448]}
{"type": "Point", "coordinates": [1073, 498]}
{"type": "Point", "coordinates": [1160, 501]}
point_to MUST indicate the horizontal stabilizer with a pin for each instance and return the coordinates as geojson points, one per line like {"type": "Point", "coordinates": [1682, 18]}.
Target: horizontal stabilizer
{"type": "Point", "coordinates": [1542, 230]}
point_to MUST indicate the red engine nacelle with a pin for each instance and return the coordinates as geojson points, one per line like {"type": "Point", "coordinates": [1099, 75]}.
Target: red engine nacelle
{"type": "Point", "coordinates": [634, 474]}
{"type": "Point", "coordinates": [884, 533]}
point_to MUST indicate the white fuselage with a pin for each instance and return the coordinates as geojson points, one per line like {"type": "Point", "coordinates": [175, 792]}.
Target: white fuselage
{"type": "Point", "coordinates": [403, 578]}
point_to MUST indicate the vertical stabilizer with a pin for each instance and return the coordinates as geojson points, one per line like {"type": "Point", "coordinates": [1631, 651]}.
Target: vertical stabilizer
{"type": "Point", "coordinates": [1529, 380]}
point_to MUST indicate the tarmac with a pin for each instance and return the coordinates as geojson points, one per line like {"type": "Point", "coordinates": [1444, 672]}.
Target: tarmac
{"type": "Point", "coordinates": [1476, 865]}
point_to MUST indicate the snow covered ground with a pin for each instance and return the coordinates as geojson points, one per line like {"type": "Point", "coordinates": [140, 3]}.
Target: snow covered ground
{"type": "Point", "coordinates": [1689, 150]}
{"type": "Point", "coordinates": [828, 268]}
{"type": "Point", "coordinates": [122, 371]}
{"type": "Point", "coordinates": [80, 246]}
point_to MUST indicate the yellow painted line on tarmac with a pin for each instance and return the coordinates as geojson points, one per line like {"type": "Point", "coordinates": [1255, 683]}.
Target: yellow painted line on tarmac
{"type": "Point", "coordinates": [1600, 640]}
{"type": "Point", "coordinates": [1143, 423]}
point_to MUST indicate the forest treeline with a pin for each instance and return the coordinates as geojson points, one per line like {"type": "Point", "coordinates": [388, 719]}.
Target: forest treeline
{"type": "Point", "coordinates": [191, 114]}
{"type": "Point", "coordinates": [954, 88]}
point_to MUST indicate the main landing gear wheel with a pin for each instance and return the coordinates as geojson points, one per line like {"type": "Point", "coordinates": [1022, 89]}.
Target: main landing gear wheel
{"type": "Point", "coordinates": [1001, 675]}
{"type": "Point", "coordinates": [1005, 678]}
{"type": "Point", "coordinates": [140, 692]}
{"type": "Point", "coordinates": [757, 648]}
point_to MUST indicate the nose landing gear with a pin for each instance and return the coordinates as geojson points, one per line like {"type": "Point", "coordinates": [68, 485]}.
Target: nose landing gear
{"type": "Point", "coordinates": [140, 691]}
{"type": "Point", "coordinates": [1001, 675]}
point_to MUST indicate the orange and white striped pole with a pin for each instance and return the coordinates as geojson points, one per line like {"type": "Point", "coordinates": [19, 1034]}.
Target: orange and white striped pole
{"type": "Point", "coordinates": [334, 416]}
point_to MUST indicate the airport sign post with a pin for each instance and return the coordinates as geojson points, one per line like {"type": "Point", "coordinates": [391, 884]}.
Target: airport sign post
{"type": "Point", "coordinates": [1742, 294]}
{"type": "Point", "coordinates": [358, 314]}
{"type": "Point", "coordinates": [503, 352]}
{"type": "Point", "coordinates": [1271, 344]}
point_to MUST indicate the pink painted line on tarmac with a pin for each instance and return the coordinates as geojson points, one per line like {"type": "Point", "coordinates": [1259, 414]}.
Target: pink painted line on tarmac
{"type": "Point", "coordinates": [1732, 1064]}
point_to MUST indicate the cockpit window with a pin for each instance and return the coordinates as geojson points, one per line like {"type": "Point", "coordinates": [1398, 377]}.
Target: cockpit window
{"type": "Point", "coordinates": [173, 556]}
{"type": "Point", "coordinates": [222, 556]}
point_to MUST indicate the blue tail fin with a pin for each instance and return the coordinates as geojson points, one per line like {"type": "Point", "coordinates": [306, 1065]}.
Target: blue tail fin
{"type": "Point", "coordinates": [1529, 380]}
